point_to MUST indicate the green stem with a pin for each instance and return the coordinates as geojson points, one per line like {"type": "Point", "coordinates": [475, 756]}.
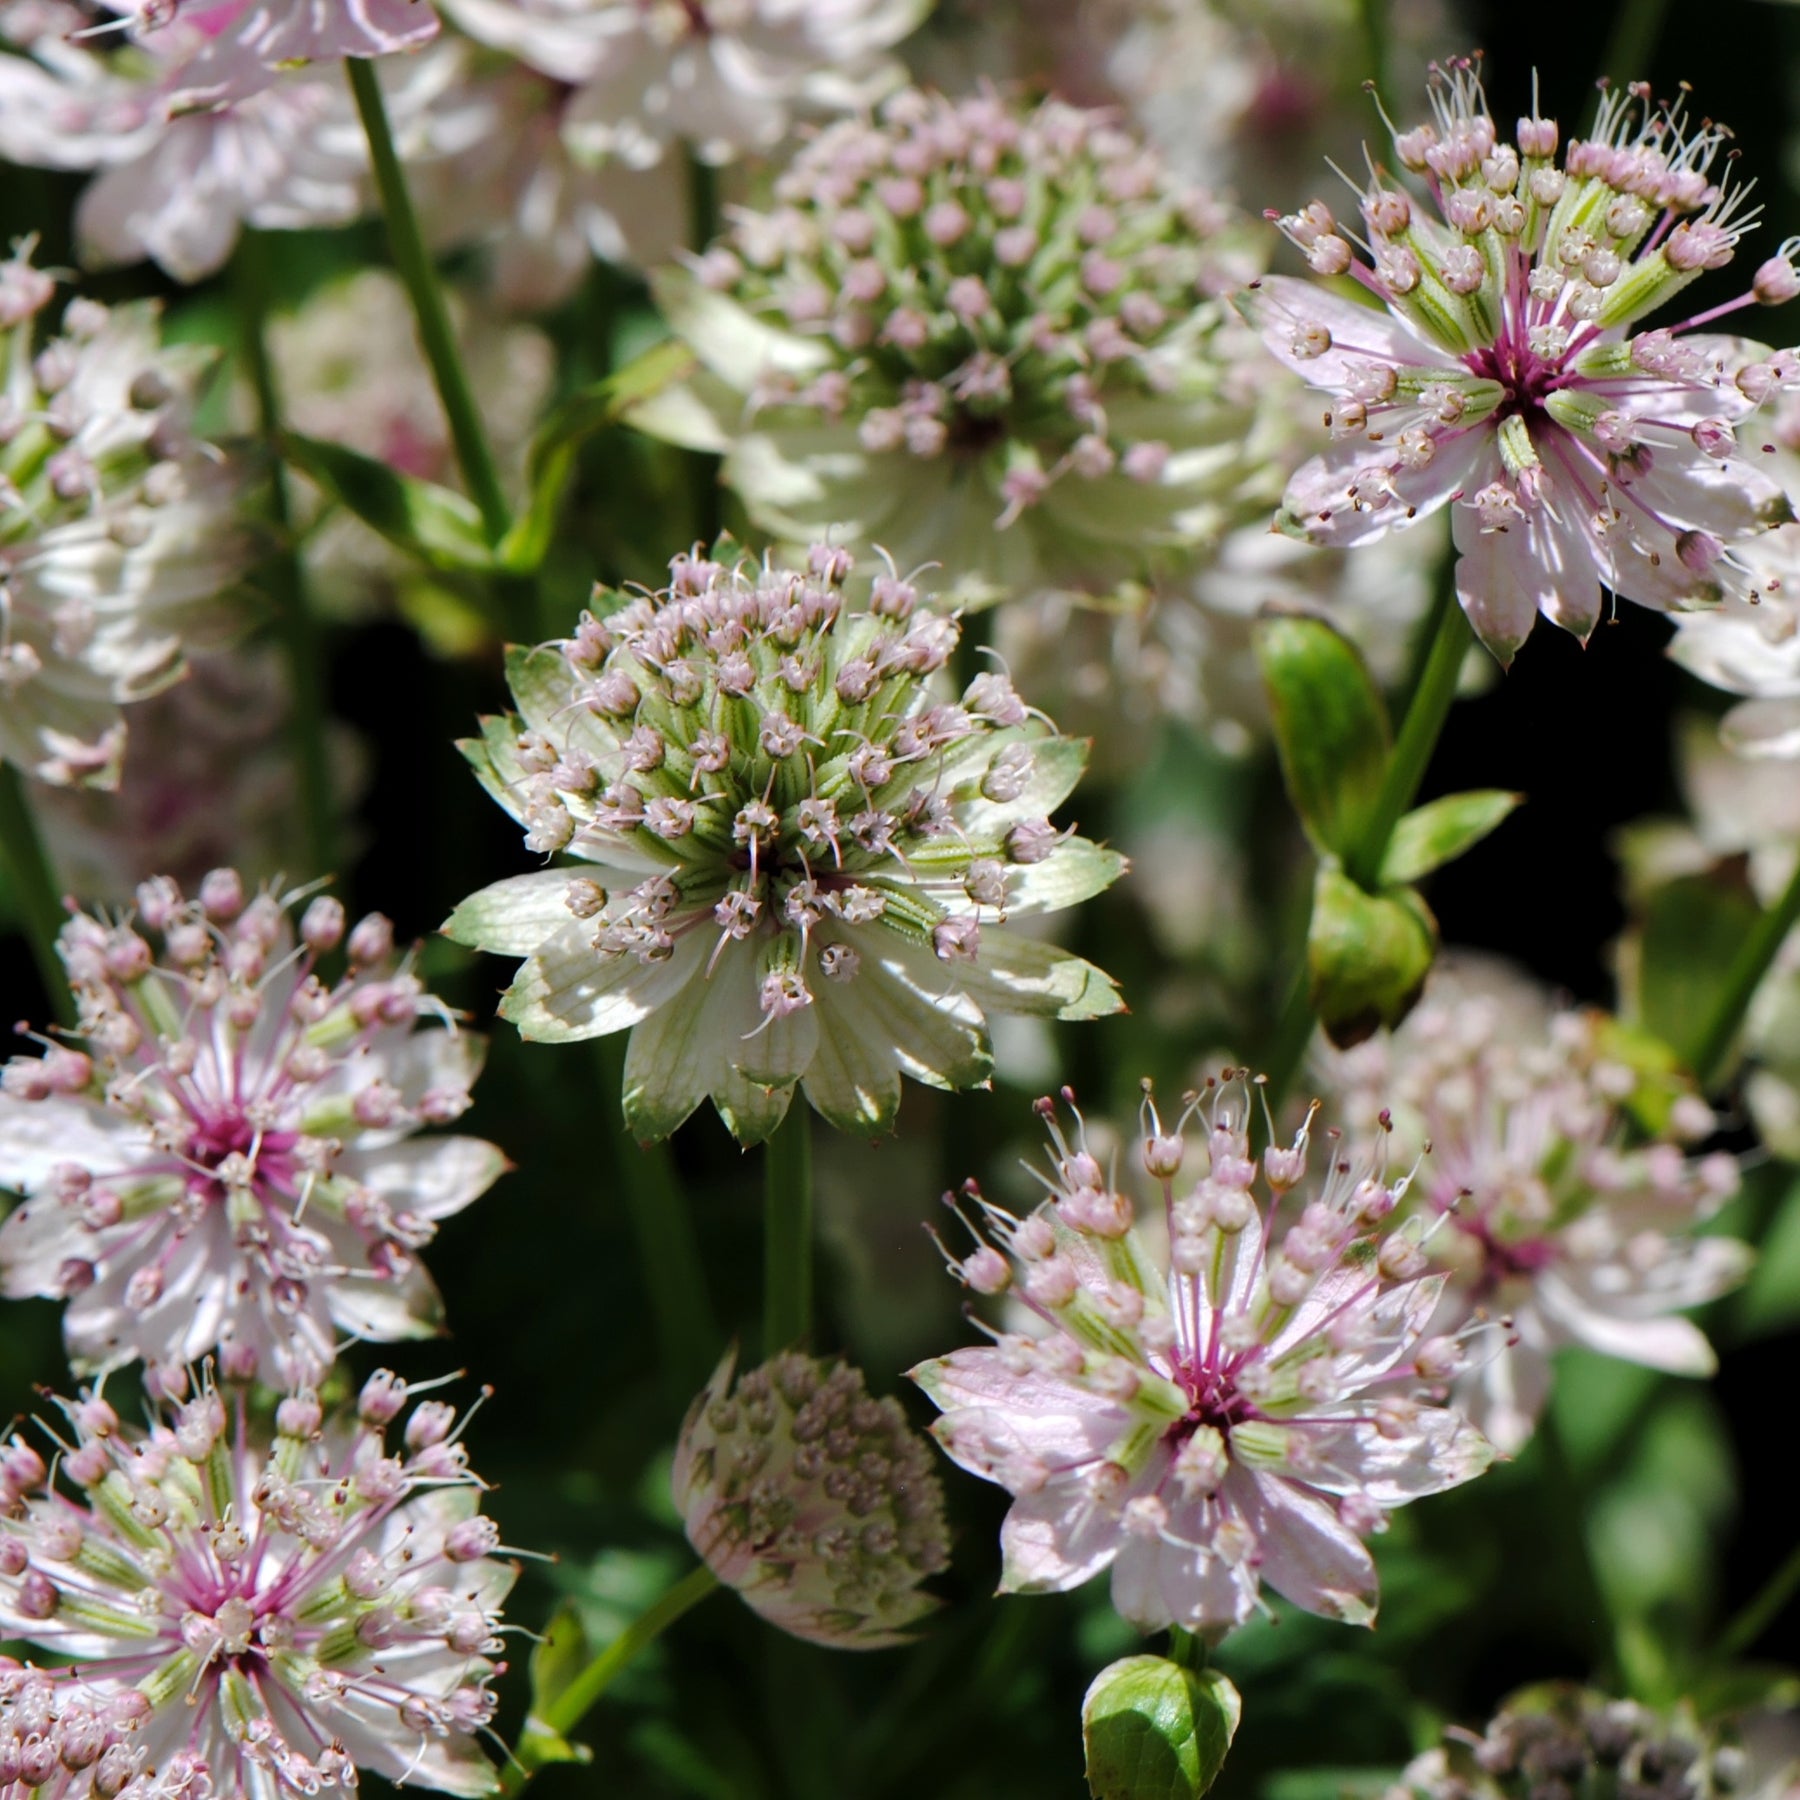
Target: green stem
{"type": "Point", "coordinates": [1186, 1648]}
{"type": "Point", "coordinates": [1742, 980]}
{"type": "Point", "coordinates": [33, 889]}
{"type": "Point", "coordinates": [703, 467]}
{"type": "Point", "coordinates": [569, 1707]}
{"type": "Point", "coordinates": [1373, 19]}
{"type": "Point", "coordinates": [1749, 1625]}
{"type": "Point", "coordinates": [1428, 707]}
{"type": "Point", "coordinates": [295, 623]}
{"type": "Point", "coordinates": [413, 263]}
{"type": "Point", "coordinates": [1632, 46]}
{"type": "Point", "coordinates": [788, 1230]}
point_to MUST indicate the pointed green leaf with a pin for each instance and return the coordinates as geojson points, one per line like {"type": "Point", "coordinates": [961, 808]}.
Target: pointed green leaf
{"type": "Point", "coordinates": [1691, 932]}
{"type": "Point", "coordinates": [439, 528]}
{"type": "Point", "coordinates": [555, 1663]}
{"type": "Point", "coordinates": [1440, 831]}
{"type": "Point", "coordinates": [1367, 955]}
{"type": "Point", "coordinates": [1157, 1731]}
{"type": "Point", "coordinates": [1331, 728]}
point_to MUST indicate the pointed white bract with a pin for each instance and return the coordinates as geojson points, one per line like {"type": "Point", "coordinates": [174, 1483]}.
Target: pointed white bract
{"type": "Point", "coordinates": [1236, 1406]}
{"type": "Point", "coordinates": [1498, 369]}
{"type": "Point", "coordinates": [1545, 1217]}
{"type": "Point", "coordinates": [229, 1163]}
{"type": "Point", "coordinates": [122, 535]}
{"type": "Point", "coordinates": [230, 1611]}
{"type": "Point", "coordinates": [817, 1502]}
{"type": "Point", "coordinates": [974, 332]}
{"type": "Point", "coordinates": [798, 861]}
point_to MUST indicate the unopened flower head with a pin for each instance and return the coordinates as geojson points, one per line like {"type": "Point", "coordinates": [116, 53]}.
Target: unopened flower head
{"type": "Point", "coordinates": [1244, 1406]}
{"type": "Point", "coordinates": [1502, 372]}
{"type": "Point", "coordinates": [797, 858]}
{"type": "Point", "coordinates": [1548, 1217]}
{"type": "Point", "coordinates": [227, 1162]}
{"type": "Point", "coordinates": [971, 324]}
{"type": "Point", "coordinates": [814, 1500]}
{"type": "Point", "coordinates": [120, 533]}
{"type": "Point", "coordinates": [247, 1611]}
{"type": "Point", "coordinates": [1556, 1738]}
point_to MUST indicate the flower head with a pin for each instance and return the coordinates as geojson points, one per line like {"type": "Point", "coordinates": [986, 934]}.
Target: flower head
{"type": "Point", "coordinates": [969, 324]}
{"type": "Point", "coordinates": [799, 856]}
{"type": "Point", "coordinates": [228, 1161]}
{"type": "Point", "coordinates": [1548, 1218]}
{"type": "Point", "coordinates": [816, 1502]}
{"type": "Point", "coordinates": [1501, 373]}
{"type": "Point", "coordinates": [246, 1611]}
{"type": "Point", "coordinates": [120, 533]}
{"type": "Point", "coordinates": [1242, 1407]}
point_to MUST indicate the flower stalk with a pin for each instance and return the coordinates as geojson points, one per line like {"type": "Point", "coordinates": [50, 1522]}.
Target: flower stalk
{"type": "Point", "coordinates": [40, 913]}
{"type": "Point", "coordinates": [788, 1233]}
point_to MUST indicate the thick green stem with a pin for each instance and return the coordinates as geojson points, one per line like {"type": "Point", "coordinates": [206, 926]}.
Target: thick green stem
{"type": "Point", "coordinates": [569, 1707]}
{"type": "Point", "coordinates": [413, 263]}
{"type": "Point", "coordinates": [1632, 45]}
{"type": "Point", "coordinates": [1187, 1648]}
{"type": "Point", "coordinates": [1749, 1625]}
{"type": "Point", "coordinates": [788, 1231]}
{"type": "Point", "coordinates": [33, 889]}
{"type": "Point", "coordinates": [1742, 979]}
{"type": "Point", "coordinates": [287, 580]}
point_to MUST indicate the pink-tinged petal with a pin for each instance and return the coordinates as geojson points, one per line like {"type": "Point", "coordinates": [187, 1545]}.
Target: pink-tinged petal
{"type": "Point", "coordinates": [1687, 490]}
{"type": "Point", "coordinates": [1307, 1554]}
{"type": "Point", "coordinates": [1157, 1584]}
{"type": "Point", "coordinates": [1384, 1329]}
{"type": "Point", "coordinates": [1499, 580]}
{"type": "Point", "coordinates": [1726, 650]}
{"type": "Point", "coordinates": [1355, 492]}
{"type": "Point", "coordinates": [1505, 1396]}
{"type": "Point", "coordinates": [37, 1136]}
{"type": "Point", "coordinates": [1763, 728]}
{"type": "Point", "coordinates": [1056, 1539]}
{"type": "Point", "coordinates": [1289, 312]}
{"type": "Point", "coordinates": [1441, 1450]}
{"type": "Point", "coordinates": [979, 1377]}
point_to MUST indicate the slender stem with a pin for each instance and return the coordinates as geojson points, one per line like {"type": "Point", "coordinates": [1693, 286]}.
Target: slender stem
{"type": "Point", "coordinates": [1293, 1032]}
{"type": "Point", "coordinates": [1742, 980]}
{"type": "Point", "coordinates": [688, 1337]}
{"type": "Point", "coordinates": [788, 1230]}
{"type": "Point", "coordinates": [294, 618]}
{"type": "Point", "coordinates": [1632, 46]}
{"type": "Point", "coordinates": [703, 466]}
{"type": "Point", "coordinates": [1187, 1648]}
{"type": "Point", "coordinates": [1749, 1625]}
{"type": "Point", "coordinates": [33, 889]}
{"type": "Point", "coordinates": [1373, 18]}
{"type": "Point", "coordinates": [569, 1707]}
{"type": "Point", "coordinates": [416, 269]}
{"type": "Point", "coordinates": [1427, 709]}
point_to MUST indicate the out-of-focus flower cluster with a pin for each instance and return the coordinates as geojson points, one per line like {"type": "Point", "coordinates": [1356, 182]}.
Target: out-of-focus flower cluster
{"type": "Point", "coordinates": [1240, 1406]}
{"type": "Point", "coordinates": [243, 1611]}
{"type": "Point", "coordinates": [819, 1504]}
{"type": "Point", "coordinates": [1534, 1198]}
{"type": "Point", "coordinates": [801, 857]}
{"type": "Point", "coordinates": [228, 1163]}
{"type": "Point", "coordinates": [120, 532]}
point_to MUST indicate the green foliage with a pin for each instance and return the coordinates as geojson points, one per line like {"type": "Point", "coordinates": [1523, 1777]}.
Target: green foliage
{"type": "Point", "coordinates": [1367, 955]}
{"type": "Point", "coordinates": [1157, 1731]}
{"type": "Point", "coordinates": [1690, 932]}
{"type": "Point", "coordinates": [557, 1659]}
{"type": "Point", "coordinates": [1442, 830]}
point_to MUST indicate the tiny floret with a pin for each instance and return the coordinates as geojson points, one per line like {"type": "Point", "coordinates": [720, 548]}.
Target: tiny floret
{"type": "Point", "coordinates": [818, 1503]}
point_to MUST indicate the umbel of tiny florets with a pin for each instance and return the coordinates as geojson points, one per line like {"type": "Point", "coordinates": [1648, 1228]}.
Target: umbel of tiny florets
{"type": "Point", "coordinates": [797, 855]}
{"type": "Point", "coordinates": [974, 332]}
{"type": "Point", "coordinates": [247, 1611]}
{"type": "Point", "coordinates": [1499, 369]}
{"type": "Point", "coordinates": [1556, 1215]}
{"type": "Point", "coordinates": [1242, 1406]}
{"type": "Point", "coordinates": [227, 1162]}
{"type": "Point", "coordinates": [120, 533]}
{"type": "Point", "coordinates": [817, 1502]}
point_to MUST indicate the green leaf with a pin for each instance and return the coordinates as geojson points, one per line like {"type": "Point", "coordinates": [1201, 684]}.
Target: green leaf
{"type": "Point", "coordinates": [439, 528]}
{"type": "Point", "coordinates": [557, 443]}
{"type": "Point", "coordinates": [1157, 1731]}
{"type": "Point", "coordinates": [1441, 831]}
{"type": "Point", "coordinates": [1692, 930]}
{"type": "Point", "coordinates": [1330, 726]}
{"type": "Point", "coordinates": [555, 1663]}
{"type": "Point", "coordinates": [1770, 1301]}
{"type": "Point", "coordinates": [1367, 955]}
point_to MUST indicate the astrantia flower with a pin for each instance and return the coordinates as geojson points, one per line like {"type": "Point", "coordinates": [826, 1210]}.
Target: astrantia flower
{"type": "Point", "coordinates": [1549, 1216]}
{"type": "Point", "coordinates": [228, 1162]}
{"type": "Point", "coordinates": [1501, 373]}
{"type": "Point", "coordinates": [121, 535]}
{"type": "Point", "coordinates": [974, 333]}
{"type": "Point", "coordinates": [816, 1502]}
{"type": "Point", "coordinates": [246, 1612]}
{"type": "Point", "coordinates": [1242, 1407]}
{"type": "Point", "coordinates": [797, 858]}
